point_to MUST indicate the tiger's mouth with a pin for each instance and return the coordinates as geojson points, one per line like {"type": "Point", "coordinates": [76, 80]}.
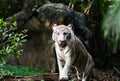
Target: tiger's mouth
{"type": "Point", "coordinates": [62, 44]}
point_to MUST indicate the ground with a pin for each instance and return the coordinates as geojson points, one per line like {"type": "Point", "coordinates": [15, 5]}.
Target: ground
{"type": "Point", "coordinates": [54, 77]}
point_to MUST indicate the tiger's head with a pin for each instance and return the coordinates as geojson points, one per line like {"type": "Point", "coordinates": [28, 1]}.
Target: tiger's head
{"type": "Point", "coordinates": [62, 35]}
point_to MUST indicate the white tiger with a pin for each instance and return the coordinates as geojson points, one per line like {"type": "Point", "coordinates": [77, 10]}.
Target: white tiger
{"type": "Point", "coordinates": [71, 52]}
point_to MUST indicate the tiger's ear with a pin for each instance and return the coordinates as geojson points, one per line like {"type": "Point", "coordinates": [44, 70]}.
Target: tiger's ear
{"type": "Point", "coordinates": [54, 26]}
{"type": "Point", "coordinates": [70, 26]}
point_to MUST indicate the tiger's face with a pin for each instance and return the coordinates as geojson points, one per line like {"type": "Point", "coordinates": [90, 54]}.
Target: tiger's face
{"type": "Point", "coordinates": [62, 35]}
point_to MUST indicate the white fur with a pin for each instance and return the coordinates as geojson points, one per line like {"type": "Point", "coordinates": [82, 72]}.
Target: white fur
{"type": "Point", "coordinates": [64, 58]}
{"type": "Point", "coordinates": [63, 54]}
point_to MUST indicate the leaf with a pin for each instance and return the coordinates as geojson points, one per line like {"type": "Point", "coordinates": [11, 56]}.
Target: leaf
{"type": "Point", "coordinates": [105, 34]}
{"type": "Point", "coordinates": [24, 40]}
{"type": "Point", "coordinates": [14, 23]}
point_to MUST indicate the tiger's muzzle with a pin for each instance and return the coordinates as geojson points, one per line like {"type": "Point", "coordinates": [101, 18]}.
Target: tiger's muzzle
{"type": "Point", "coordinates": [62, 44]}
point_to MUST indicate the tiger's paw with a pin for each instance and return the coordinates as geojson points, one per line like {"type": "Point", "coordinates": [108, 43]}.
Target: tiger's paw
{"type": "Point", "coordinates": [63, 78]}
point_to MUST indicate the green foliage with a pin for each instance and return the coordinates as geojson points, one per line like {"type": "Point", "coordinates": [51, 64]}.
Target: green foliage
{"type": "Point", "coordinates": [73, 79]}
{"type": "Point", "coordinates": [40, 2]}
{"type": "Point", "coordinates": [72, 1]}
{"type": "Point", "coordinates": [11, 41]}
{"type": "Point", "coordinates": [111, 25]}
{"type": "Point", "coordinates": [4, 72]}
{"type": "Point", "coordinates": [19, 71]}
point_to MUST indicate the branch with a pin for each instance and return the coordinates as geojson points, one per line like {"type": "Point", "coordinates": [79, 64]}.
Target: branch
{"type": "Point", "coordinates": [23, 16]}
{"type": "Point", "coordinates": [116, 70]}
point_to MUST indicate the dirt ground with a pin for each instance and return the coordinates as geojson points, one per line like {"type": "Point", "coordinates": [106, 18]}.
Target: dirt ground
{"type": "Point", "coordinates": [54, 77]}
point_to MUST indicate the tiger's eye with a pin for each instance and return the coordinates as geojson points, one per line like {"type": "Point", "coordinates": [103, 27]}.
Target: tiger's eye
{"type": "Point", "coordinates": [65, 33]}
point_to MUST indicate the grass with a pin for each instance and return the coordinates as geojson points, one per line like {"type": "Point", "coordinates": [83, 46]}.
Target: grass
{"type": "Point", "coordinates": [19, 71]}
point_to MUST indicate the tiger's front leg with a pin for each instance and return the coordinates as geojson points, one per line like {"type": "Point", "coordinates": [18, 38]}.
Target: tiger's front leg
{"type": "Point", "coordinates": [65, 70]}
